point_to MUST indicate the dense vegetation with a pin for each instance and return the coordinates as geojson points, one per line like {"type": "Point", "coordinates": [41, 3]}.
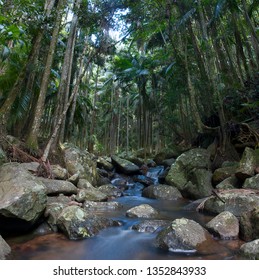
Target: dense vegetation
{"type": "Point", "coordinates": [122, 75]}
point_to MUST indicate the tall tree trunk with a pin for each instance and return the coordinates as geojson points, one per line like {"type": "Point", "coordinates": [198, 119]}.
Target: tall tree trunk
{"type": "Point", "coordinates": [32, 139]}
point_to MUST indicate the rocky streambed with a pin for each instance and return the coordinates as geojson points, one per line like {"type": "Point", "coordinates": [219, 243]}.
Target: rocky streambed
{"type": "Point", "coordinates": [115, 208]}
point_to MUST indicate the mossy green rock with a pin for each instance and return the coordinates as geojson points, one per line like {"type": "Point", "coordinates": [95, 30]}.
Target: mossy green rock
{"type": "Point", "coordinates": [250, 250]}
{"type": "Point", "coordinates": [124, 165]}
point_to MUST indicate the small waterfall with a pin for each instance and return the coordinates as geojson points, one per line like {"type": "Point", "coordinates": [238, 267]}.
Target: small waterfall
{"type": "Point", "coordinates": [154, 172]}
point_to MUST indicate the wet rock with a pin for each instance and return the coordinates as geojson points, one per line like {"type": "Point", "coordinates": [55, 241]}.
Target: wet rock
{"type": "Point", "coordinates": [249, 225]}
{"type": "Point", "coordinates": [143, 180]}
{"type": "Point", "coordinates": [58, 172]}
{"type": "Point", "coordinates": [142, 211]}
{"type": "Point", "coordinates": [186, 162]}
{"type": "Point", "coordinates": [199, 185]}
{"type": "Point", "coordinates": [43, 229]}
{"type": "Point", "coordinates": [252, 183]}
{"type": "Point", "coordinates": [162, 192]}
{"type": "Point", "coordinates": [101, 206]}
{"type": "Point", "coordinates": [5, 249]}
{"type": "Point", "coordinates": [182, 235]}
{"type": "Point", "coordinates": [150, 225]}
{"type": "Point", "coordinates": [52, 212]}
{"type": "Point", "coordinates": [81, 162]}
{"type": "Point", "coordinates": [22, 196]}
{"type": "Point", "coordinates": [228, 184]}
{"type": "Point", "coordinates": [247, 164]}
{"type": "Point", "coordinates": [124, 165]}
{"type": "Point", "coordinates": [102, 163]}
{"type": "Point", "coordinates": [54, 187]}
{"type": "Point", "coordinates": [76, 223]}
{"type": "Point", "coordinates": [223, 173]}
{"type": "Point", "coordinates": [250, 250]}
{"type": "Point", "coordinates": [110, 190]}
{"type": "Point", "coordinates": [225, 225]}
{"type": "Point", "coordinates": [91, 194]}
{"type": "Point", "coordinates": [235, 201]}
{"type": "Point", "coordinates": [84, 184]}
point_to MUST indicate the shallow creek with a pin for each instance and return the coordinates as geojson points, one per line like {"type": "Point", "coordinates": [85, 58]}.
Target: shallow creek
{"type": "Point", "coordinates": [122, 242]}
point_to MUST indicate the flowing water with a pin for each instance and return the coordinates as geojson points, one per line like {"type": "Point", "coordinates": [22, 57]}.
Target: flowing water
{"type": "Point", "coordinates": [122, 243]}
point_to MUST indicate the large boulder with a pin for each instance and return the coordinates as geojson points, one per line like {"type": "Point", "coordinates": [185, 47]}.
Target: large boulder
{"type": "Point", "coordinates": [250, 250]}
{"type": "Point", "coordinates": [247, 164]}
{"type": "Point", "coordinates": [22, 196]}
{"type": "Point", "coordinates": [162, 192]}
{"type": "Point", "coordinates": [225, 225]}
{"type": "Point", "coordinates": [182, 235]}
{"type": "Point", "coordinates": [54, 187]}
{"type": "Point", "coordinates": [81, 162]}
{"type": "Point", "coordinates": [124, 165]}
{"type": "Point", "coordinates": [249, 225]}
{"type": "Point", "coordinates": [150, 225]}
{"type": "Point", "coordinates": [76, 223]}
{"type": "Point", "coordinates": [184, 164]}
{"type": "Point", "coordinates": [252, 183]}
{"type": "Point", "coordinates": [235, 201]}
{"type": "Point", "coordinates": [5, 249]}
{"type": "Point", "coordinates": [142, 211]}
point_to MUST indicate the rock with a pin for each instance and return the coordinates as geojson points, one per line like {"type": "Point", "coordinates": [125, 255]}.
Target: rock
{"type": "Point", "coordinates": [124, 165]}
{"type": "Point", "coordinates": [150, 225]}
{"type": "Point", "coordinates": [249, 225]}
{"type": "Point", "coordinates": [58, 172]}
{"type": "Point", "coordinates": [236, 202]}
{"type": "Point", "coordinates": [84, 184]}
{"type": "Point", "coordinates": [3, 157]}
{"type": "Point", "coordinates": [102, 163]}
{"type": "Point", "coordinates": [142, 179]}
{"type": "Point", "coordinates": [252, 183]}
{"type": "Point", "coordinates": [250, 250]}
{"type": "Point", "coordinates": [162, 192]}
{"type": "Point", "coordinates": [228, 184]}
{"type": "Point", "coordinates": [186, 162]}
{"type": "Point", "coordinates": [136, 160]}
{"type": "Point", "coordinates": [91, 194]}
{"type": "Point", "coordinates": [74, 179]}
{"type": "Point", "coordinates": [54, 187]}
{"type": "Point", "coordinates": [110, 190]}
{"type": "Point", "coordinates": [103, 181]}
{"type": "Point", "coordinates": [52, 212]}
{"type": "Point", "coordinates": [142, 211]}
{"type": "Point", "coordinates": [199, 185]}
{"type": "Point", "coordinates": [182, 235]}
{"type": "Point", "coordinates": [101, 206]}
{"type": "Point", "coordinates": [168, 162]}
{"type": "Point", "coordinates": [5, 249]}
{"type": "Point", "coordinates": [30, 166]}
{"type": "Point", "coordinates": [81, 162]}
{"type": "Point", "coordinates": [22, 196]}
{"type": "Point", "coordinates": [167, 154]}
{"type": "Point", "coordinates": [247, 164]}
{"type": "Point", "coordinates": [76, 223]}
{"type": "Point", "coordinates": [223, 173]}
{"type": "Point", "coordinates": [225, 225]}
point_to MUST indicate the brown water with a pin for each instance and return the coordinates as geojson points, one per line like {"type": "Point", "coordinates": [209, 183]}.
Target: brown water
{"type": "Point", "coordinates": [122, 243]}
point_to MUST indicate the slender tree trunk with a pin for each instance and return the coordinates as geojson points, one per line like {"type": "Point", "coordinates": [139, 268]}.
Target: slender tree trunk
{"type": "Point", "coordinates": [32, 139]}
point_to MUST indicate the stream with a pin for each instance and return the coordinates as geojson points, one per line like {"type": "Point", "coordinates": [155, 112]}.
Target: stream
{"type": "Point", "coordinates": [122, 243]}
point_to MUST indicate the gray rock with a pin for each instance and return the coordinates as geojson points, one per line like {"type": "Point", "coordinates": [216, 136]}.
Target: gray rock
{"type": "Point", "coordinates": [162, 192]}
{"type": "Point", "coordinates": [31, 166]}
{"type": "Point", "coordinates": [54, 187]}
{"type": "Point", "coordinates": [182, 235]}
{"type": "Point", "coordinates": [168, 162]}
{"type": "Point", "coordinates": [5, 249]}
{"type": "Point", "coordinates": [124, 165]}
{"type": "Point", "coordinates": [223, 173]}
{"type": "Point", "coordinates": [247, 164]}
{"type": "Point", "coordinates": [52, 212]}
{"type": "Point", "coordinates": [250, 250]}
{"type": "Point", "coordinates": [81, 162]}
{"type": "Point", "coordinates": [252, 183]}
{"type": "Point", "coordinates": [236, 202]}
{"type": "Point", "coordinates": [150, 225]}
{"type": "Point", "coordinates": [178, 173]}
{"type": "Point", "coordinates": [84, 184]}
{"type": "Point", "coordinates": [142, 211]}
{"type": "Point", "coordinates": [58, 172]}
{"type": "Point", "coordinates": [102, 163]}
{"type": "Point", "coordinates": [22, 195]}
{"type": "Point", "coordinates": [101, 206]}
{"type": "Point", "coordinates": [249, 225]}
{"type": "Point", "coordinates": [91, 194]}
{"type": "Point", "coordinates": [110, 190]}
{"type": "Point", "coordinates": [76, 223]}
{"type": "Point", "coordinates": [199, 185]}
{"type": "Point", "coordinates": [3, 157]}
{"type": "Point", "coordinates": [225, 225]}
{"type": "Point", "coordinates": [74, 178]}
{"type": "Point", "coordinates": [228, 184]}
